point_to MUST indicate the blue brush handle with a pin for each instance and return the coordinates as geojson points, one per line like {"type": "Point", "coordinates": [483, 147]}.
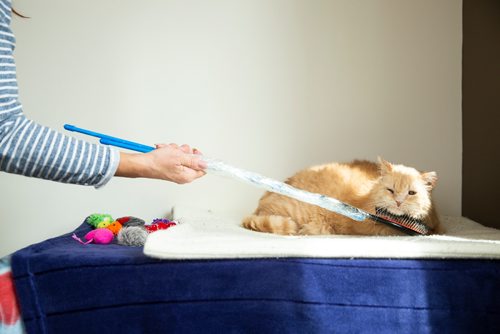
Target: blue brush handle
{"type": "Point", "coordinates": [110, 140]}
{"type": "Point", "coordinates": [127, 144]}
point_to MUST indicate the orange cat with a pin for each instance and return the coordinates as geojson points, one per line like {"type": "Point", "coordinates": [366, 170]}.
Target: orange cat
{"type": "Point", "coordinates": [366, 185]}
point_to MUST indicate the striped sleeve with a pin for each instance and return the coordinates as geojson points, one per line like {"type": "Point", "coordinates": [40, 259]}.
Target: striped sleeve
{"type": "Point", "coordinates": [30, 149]}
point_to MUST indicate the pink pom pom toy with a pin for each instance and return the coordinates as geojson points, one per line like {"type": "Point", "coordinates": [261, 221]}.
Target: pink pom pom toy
{"type": "Point", "coordinates": [101, 236]}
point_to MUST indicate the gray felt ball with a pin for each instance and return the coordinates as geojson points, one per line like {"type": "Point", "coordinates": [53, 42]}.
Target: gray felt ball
{"type": "Point", "coordinates": [132, 236]}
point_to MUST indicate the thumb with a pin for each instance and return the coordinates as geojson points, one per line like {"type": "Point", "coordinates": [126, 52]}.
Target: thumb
{"type": "Point", "coordinates": [193, 161]}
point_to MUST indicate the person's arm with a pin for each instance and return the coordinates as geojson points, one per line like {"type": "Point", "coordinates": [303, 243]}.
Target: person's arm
{"type": "Point", "coordinates": [31, 149]}
{"type": "Point", "coordinates": [34, 150]}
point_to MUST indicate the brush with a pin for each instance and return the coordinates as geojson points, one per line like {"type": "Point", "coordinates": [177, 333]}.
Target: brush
{"type": "Point", "coordinates": [403, 223]}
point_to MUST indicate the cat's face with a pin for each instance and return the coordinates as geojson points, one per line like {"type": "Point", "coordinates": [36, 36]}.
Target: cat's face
{"type": "Point", "coordinates": [404, 190]}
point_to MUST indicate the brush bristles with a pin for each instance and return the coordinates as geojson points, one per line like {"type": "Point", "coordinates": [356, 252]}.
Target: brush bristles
{"type": "Point", "coordinates": [406, 221]}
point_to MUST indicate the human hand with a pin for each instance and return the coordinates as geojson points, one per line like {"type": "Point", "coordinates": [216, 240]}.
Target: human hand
{"type": "Point", "coordinates": [170, 162]}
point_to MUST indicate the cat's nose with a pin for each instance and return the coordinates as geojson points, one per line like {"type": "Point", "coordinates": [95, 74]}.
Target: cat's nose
{"type": "Point", "coordinates": [398, 203]}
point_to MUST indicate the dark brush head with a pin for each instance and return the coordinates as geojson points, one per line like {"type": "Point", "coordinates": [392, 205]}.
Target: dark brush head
{"type": "Point", "coordinates": [406, 221]}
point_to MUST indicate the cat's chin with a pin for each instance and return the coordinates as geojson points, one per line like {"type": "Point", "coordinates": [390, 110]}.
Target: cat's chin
{"type": "Point", "coordinates": [397, 212]}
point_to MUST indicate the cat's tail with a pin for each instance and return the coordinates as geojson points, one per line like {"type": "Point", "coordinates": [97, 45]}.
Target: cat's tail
{"type": "Point", "coordinates": [271, 224]}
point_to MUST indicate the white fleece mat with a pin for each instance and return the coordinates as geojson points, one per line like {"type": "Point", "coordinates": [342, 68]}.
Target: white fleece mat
{"type": "Point", "coordinates": [203, 234]}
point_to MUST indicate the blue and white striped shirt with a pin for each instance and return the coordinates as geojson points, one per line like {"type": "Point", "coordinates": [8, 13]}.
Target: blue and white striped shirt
{"type": "Point", "coordinates": [34, 150]}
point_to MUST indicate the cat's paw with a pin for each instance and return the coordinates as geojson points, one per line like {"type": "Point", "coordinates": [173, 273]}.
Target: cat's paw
{"type": "Point", "coordinates": [271, 224]}
{"type": "Point", "coordinates": [249, 223]}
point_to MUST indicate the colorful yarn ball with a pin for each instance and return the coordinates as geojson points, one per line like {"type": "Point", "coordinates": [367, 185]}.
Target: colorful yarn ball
{"type": "Point", "coordinates": [131, 221]}
{"type": "Point", "coordinates": [115, 227]}
{"type": "Point", "coordinates": [96, 218]}
{"type": "Point", "coordinates": [101, 236]}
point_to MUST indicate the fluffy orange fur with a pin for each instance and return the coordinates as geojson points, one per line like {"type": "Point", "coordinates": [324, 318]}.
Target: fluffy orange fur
{"type": "Point", "coordinates": [364, 184]}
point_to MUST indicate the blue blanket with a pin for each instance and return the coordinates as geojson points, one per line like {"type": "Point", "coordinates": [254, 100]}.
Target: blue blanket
{"type": "Point", "coordinates": [66, 287]}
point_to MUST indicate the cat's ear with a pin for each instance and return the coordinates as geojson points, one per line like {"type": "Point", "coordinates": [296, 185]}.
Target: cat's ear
{"type": "Point", "coordinates": [385, 166]}
{"type": "Point", "coordinates": [430, 179]}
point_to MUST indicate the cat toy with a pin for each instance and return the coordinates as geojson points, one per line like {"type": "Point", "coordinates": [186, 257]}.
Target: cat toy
{"type": "Point", "coordinates": [129, 230]}
{"type": "Point", "coordinates": [105, 229]}
{"type": "Point", "coordinates": [404, 223]}
{"type": "Point", "coordinates": [102, 236]}
{"type": "Point", "coordinates": [136, 235]}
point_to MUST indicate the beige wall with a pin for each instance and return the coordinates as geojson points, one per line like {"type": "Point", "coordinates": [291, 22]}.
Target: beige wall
{"type": "Point", "coordinates": [271, 86]}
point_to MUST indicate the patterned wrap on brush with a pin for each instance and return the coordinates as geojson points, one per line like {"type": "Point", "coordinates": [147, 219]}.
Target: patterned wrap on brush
{"type": "Point", "coordinates": [223, 169]}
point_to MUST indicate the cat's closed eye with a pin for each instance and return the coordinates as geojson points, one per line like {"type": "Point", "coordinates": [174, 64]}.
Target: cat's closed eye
{"type": "Point", "coordinates": [390, 190]}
